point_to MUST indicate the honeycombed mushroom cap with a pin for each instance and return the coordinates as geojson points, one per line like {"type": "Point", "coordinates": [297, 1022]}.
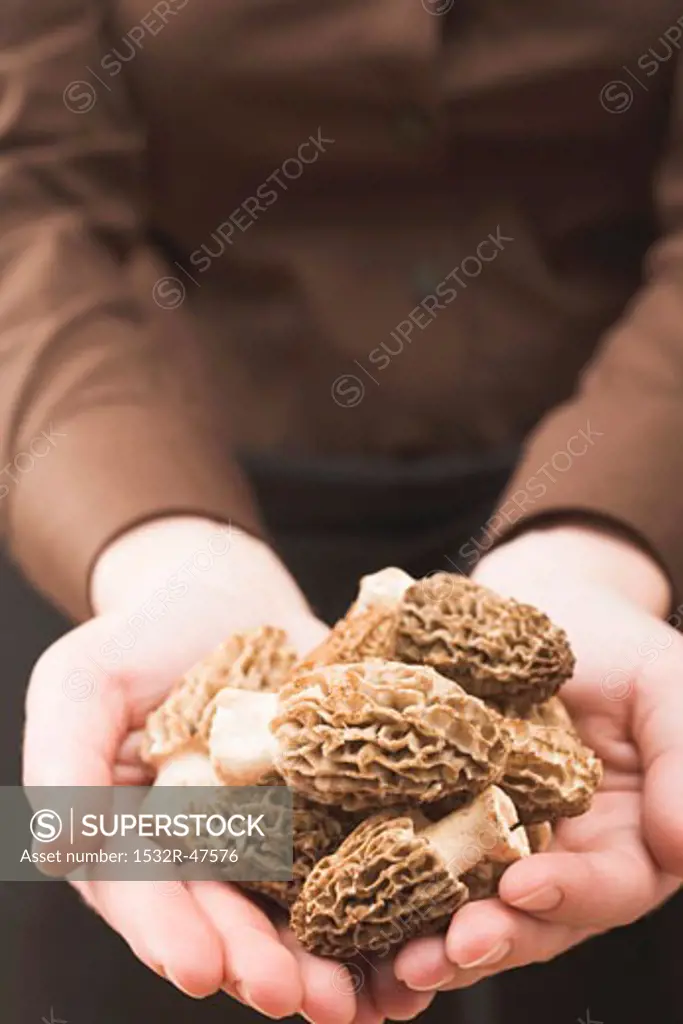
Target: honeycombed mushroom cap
{"type": "Point", "coordinates": [370, 633]}
{"type": "Point", "coordinates": [361, 735]}
{"type": "Point", "coordinates": [258, 659]}
{"type": "Point", "coordinates": [553, 712]}
{"type": "Point", "coordinates": [550, 712]}
{"type": "Point", "coordinates": [384, 885]}
{"type": "Point", "coordinates": [368, 630]}
{"type": "Point", "coordinates": [317, 832]}
{"type": "Point", "coordinates": [549, 773]}
{"type": "Point", "coordinates": [175, 723]}
{"type": "Point", "coordinates": [493, 646]}
{"type": "Point", "coordinates": [260, 855]}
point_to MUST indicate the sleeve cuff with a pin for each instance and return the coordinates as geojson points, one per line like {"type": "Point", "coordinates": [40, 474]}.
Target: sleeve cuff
{"type": "Point", "coordinates": [619, 460]}
{"type": "Point", "coordinates": [102, 473]}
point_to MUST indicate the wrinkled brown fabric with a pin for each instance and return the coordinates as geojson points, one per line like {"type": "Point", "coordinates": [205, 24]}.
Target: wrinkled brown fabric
{"type": "Point", "coordinates": [388, 232]}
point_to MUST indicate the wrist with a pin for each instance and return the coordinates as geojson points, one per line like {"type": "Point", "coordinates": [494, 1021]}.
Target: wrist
{"type": "Point", "coordinates": [199, 554]}
{"type": "Point", "coordinates": [575, 554]}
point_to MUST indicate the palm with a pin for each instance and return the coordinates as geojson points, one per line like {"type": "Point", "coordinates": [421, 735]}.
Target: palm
{"type": "Point", "coordinates": [601, 704]}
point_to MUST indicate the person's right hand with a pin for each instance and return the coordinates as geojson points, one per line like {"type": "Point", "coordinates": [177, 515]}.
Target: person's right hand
{"type": "Point", "coordinates": [87, 701]}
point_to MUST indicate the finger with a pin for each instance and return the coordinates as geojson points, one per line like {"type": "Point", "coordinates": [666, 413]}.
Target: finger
{"type": "Point", "coordinates": [422, 964]}
{"type": "Point", "coordinates": [487, 937]}
{"type": "Point", "coordinates": [366, 1011]}
{"type": "Point", "coordinates": [75, 722]}
{"type": "Point", "coordinates": [128, 775]}
{"type": "Point", "coordinates": [484, 938]}
{"type": "Point", "coordinates": [129, 753]}
{"type": "Point", "coordinates": [76, 718]}
{"type": "Point", "coordinates": [306, 633]}
{"type": "Point", "coordinates": [658, 714]}
{"type": "Point", "coordinates": [166, 929]}
{"type": "Point", "coordinates": [393, 997]}
{"type": "Point", "coordinates": [84, 890]}
{"type": "Point", "coordinates": [330, 989]}
{"type": "Point", "coordinates": [597, 889]}
{"type": "Point", "coordinates": [263, 972]}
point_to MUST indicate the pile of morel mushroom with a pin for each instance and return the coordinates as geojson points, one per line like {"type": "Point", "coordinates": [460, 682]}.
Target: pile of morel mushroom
{"type": "Point", "coordinates": [424, 743]}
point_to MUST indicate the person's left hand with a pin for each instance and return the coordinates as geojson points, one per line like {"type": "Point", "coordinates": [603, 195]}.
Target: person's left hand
{"type": "Point", "coordinates": [624, 857]}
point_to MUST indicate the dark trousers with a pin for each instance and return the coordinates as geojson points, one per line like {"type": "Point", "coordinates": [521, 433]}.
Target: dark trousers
{"type": "Point", "coordinates": [331, 526]}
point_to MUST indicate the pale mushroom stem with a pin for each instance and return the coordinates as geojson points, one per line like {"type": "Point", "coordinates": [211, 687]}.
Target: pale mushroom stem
{"type": "Point", "coordinates": [382, 589]}
{"type": "Point", "coordinates": [482, 831]}
{"type": "Point", "coordinates": [187, 767]}
{"type": "Point", "coordinates": [540, 836]}
{"type": "Point", "coordinates": [241, 745]}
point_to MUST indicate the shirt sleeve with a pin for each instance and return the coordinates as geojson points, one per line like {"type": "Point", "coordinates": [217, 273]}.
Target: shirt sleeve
{"type": "Point", "coordinates": [101, 423]}
{"type": "Point", "coordinates": [615, 450]}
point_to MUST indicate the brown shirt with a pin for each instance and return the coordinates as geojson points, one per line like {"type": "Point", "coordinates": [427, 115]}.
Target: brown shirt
{"type": "Point", "coordinates": [391, 227]}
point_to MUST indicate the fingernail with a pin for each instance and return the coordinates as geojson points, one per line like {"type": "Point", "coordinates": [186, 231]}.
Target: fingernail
{"type": "Point", "coordinates": [547, 898]}
{"type": "Point", "coordinates": [493, 956]}
{"type": "Point", "coordinates": [302, 1014]}
{"type": "Point", "coordinates": [447, 978]}
{"type": "Point", "coordinates": [421, 1004]}
{"type": "Point", "coordinates": [243, 993]}
{"type": "Point", "coordinates": [173, 981]}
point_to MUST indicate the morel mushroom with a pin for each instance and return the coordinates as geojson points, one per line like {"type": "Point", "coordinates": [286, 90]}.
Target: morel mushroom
{"type": "Point", "coordinates": [398, 875]}
{"type": "Point", "coordinates": [173, 726]}
{"type": "Point", "coordinates": [356, 736]}
{"type": "Point", "coordinates": [258, 659]}
{"type": "Point", "coordinates": [368, 630]}
{"type": "Point", "coordinates": [317, 832]}
{"type": "Point", "coordinates": [550, 712]}
{"type": "Point", "coordinates": [550, 773]}
{"type": "Point", "coordinates": [362, 735]}
{"type": "Point", "coordinates": [386, 883]}
{"type": "Point", "coordinates": [493, 646]}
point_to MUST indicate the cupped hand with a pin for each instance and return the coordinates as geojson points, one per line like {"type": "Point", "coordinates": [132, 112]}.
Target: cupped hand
{"type": "Point", "coordinates": [625, 856]}
{"type": "Point", "coordinates": [161, 609]}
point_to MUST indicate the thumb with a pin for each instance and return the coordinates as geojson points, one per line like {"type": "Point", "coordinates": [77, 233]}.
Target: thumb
{"type": "Point", "coordinates": [76, 716]}
{"type": "Point", "coordinates": [76, 719]}
{"type": "Point", "coordinates": [658, 731]}
{"type": "Point", "coordinates": [306, 632]}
